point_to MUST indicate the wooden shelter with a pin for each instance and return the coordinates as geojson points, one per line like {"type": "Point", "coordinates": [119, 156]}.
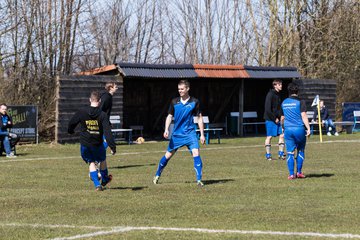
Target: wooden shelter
{"type": "Point", "coordinates": [221, 89]}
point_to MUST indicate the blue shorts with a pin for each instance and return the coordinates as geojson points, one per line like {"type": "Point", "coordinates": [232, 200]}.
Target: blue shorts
{"type": "Point", "coordinates": [93, 154]}
{"type": "Point", "coordinates": [273, 129]}
{"type": "Point", "coordinates": [177, 142]}
{"type": "Point", "coordinates": [295, 139]}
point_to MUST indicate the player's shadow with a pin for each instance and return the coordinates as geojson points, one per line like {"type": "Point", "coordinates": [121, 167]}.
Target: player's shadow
{"type": "Point", "coordinates": [128, 188]}
{"type": "Point", "coordinates": [132, 166]}
{"type": "Point", "coordinates": [319, 175]}
{"type": "Point", "coordinates": [217, 181]}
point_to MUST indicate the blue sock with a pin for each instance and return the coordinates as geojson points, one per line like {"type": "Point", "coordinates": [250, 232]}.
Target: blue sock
{"type": "Point", "coordinates": [300, 160]}
{"type": "Point", "coordinates": [104, 174]}
{"type": "Point", "coordinates": [290, 163]}
{"type": "Point", "coordinates": [95, 178]}
{"type": "Point", "coordinates": [198, 167]}
{"type": "Point", "coordinates": [162, 164]}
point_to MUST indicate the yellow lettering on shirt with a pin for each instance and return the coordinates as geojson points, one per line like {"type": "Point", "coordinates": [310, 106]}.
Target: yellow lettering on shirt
{"type": "Point", "coordinates": [92, 125]}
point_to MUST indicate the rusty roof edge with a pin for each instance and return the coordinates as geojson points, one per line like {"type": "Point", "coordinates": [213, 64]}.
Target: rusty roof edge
{"type": "Point", "coordinates": [219, 67]}
{"type": "Point", "coordinates": [99, 70]}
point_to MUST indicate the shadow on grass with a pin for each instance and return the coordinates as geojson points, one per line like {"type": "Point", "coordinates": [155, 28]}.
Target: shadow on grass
{"type": "Point", "coordinates": [128, 188]}
{"type": "Point", "coordinates": [131, 166]}
{"type": "Point", "coordinates": [216, 181]}
{"type": "Point", "coordinates": [319, 175]}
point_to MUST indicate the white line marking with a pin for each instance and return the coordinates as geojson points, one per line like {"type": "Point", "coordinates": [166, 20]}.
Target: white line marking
{"type": "Point", "coordinates": [204, 230]}
{"type": "Point", "coordinates": [150, 152]}
{"type": "Point", "coordinates": [118, 154]}
{"type": "Point", "coordinates": [119, 229]}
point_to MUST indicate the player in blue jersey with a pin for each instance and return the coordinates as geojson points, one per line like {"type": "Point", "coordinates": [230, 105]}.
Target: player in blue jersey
{"type": "Point", "coordinates": [296, 129]}
{"type": "Point", "coordinates": [183, 109]}
{"type": "Point", "coordinates": [272, 119]}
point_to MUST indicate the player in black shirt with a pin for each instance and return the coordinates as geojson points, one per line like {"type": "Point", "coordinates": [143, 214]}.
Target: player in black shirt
{"type": "Point", "coordinates": [107, 97]}
{"type": "Point", "coordinates": [94, 123]}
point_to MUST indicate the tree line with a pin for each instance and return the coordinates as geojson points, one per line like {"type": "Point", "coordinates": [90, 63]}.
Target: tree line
{"type": "Point", "coordinates": [40, 39]}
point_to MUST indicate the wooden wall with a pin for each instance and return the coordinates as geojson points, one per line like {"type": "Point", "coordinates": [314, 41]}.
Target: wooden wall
{"type": "Point", "coordinates": [73, 92]}
{"type": "Point", "coordinates": [325, 88]}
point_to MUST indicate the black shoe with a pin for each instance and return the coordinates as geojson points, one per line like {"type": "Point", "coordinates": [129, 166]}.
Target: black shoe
{"type": "Point", "coordinates": [107, 180]}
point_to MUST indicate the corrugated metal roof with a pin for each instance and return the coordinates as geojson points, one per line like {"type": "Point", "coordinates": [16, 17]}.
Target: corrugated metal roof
{"type": "Point", "coordinates": [220, 71]}
{"type": "Point", "coordinates": [272, 72]}
{"type": "Point", "coordinates": [157, 70]}
{"type": "Point", "coordinates": [141, 70]}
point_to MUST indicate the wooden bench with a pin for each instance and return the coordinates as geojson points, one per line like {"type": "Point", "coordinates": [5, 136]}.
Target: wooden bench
{"type": "Point", "coordinates": [208, 128]}
{"type": "Point", "coordinates": [312, 123]}
{"type": "Point", "coordinates": [249, 119]}
{"type": "Point", "coordinates": [116, 129]}
{"type": "Point", "coordinates": [347, 125]}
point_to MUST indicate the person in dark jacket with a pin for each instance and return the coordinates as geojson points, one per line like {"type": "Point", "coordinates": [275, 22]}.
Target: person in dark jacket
{"type": "Point", "coordinates": [272, 119]}
{"type": "Point", "coordinates": [94, 123]}
{"type": "Point", "coordinates": [5, 124]}
{"type": "Point", "coordinates": [107, 101]}
{"type": "Point", "coordinates": [107, 97]}
{"type": "Point", "coordinates": [325, 119]}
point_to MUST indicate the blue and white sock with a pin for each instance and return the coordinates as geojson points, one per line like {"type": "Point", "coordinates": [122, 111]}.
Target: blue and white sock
{"type": "Point", "coordinates": [198, 167]}
{"type": "Point", "coordinates": [162, 164]}
{"type": "Point", "coordinates": [281, 149]}
{"type": "Point", "coordinates": [290, 163]}
{"type": "Point", "coordinates": [95, 178]}
{"type": "Point", "coordinates": [299, 161]}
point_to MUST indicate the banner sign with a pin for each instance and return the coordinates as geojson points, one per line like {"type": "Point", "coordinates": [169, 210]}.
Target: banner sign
{"type": "Point", "coordinates": [24, 121]}
{"type": "Point", "coordinates": [348, 110]}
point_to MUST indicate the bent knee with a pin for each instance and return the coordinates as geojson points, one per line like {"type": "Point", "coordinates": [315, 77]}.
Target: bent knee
{"type": "Point", "coordinates": [195, 152]}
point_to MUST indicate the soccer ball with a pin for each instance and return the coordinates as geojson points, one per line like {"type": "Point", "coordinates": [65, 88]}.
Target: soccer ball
{"type": "Point", "coordinates": [140, 140]}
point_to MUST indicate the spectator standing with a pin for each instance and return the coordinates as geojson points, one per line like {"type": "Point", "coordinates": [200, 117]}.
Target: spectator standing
{"type": "Point", "coordinates": [272, 119]}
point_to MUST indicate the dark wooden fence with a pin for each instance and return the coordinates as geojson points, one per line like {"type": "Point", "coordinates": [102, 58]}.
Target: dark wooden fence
{"type": "Point", "coordinates": [73, 92]}
{"type": "Point", "coordinates": [325, 88]}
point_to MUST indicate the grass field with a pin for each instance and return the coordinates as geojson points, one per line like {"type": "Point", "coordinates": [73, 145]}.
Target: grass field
{"type": "Point", "coordinates": [45, 193]}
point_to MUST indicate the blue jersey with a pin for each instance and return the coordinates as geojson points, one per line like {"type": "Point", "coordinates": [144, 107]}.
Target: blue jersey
{"type": "Point", "coordinates": [184, 133]}
{"type": "Point", "coordinates": [184, 116]}
{"type": "Point", "coordinates": [291, 109]}
{"type": "Point", "coordinates": [6, 122]}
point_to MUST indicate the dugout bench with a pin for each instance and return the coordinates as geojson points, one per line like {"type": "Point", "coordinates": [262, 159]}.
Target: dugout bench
{"type": "Point", "coordinates": [209, 129]}
{"type": "Point", "coordinates": [118, 131]}
{"type": "Point", "coordinates": [347, 125]}
{"type": "Point", "coordinates": [250, 122]}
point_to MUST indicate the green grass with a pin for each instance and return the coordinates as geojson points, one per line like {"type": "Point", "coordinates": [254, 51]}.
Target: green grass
{"type": "Point", "coordinates": [48, 185]}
